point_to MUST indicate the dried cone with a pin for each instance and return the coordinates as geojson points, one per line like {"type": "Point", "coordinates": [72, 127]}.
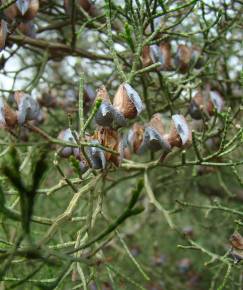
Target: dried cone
{"type": "Point", "coordinates": [135, 137]}
{"type": "Point", "coordinates": [183, 58]}
{"type": "Point", "coordinates": [156, 123]}
{"type": "Point", "coordinates": [165, 48]}
{"type": "Point", "coordinates": [28, 108]}
{"type": "Point", "coordinates": [110, 138]}
{"type": "Point", "coordinates": [180, 134]}
{"type": "Point", "coordinates": [11, 11]}
{"type": "Point", "coordinates": [3, 33]}
{"type": "Point", "coordinates": [154, 138]}
{"type": "Point", "coordinates": [67, 136]}
{"type": "Point", "coordinates": [127, 101]}
{"type": "Point", "coordinates": [28, 29]}
{"type": "Point", "coordinates": [105, 115]}
{"type": "Point", "coordinates": [197, 106]}
{"type": "Point", "coordinates": [236, 241]}
{"type": "Point", "coordinates": [8, 117]}
{"type": "Point", "coordinates": [25, 9]}
{"type": "Point", "coordinates": [96, 156]}
{"type": "Point", "coordinates": [216, 101]}
{"type": "Point", "coordinates": [32, 10]}
{"type": "Point", "coordinates": [146, 58]}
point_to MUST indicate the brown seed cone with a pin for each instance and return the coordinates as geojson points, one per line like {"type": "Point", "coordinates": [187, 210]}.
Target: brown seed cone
{"type": "Point", "coordinates": [156, 123]}
{"type": "Point", "coordinates": [210, 108]}
{"type": "Point", "coordinates": [236, 241]}
{"type": "Point", "coordinates": [101, 93]}
{"type": "Point", "coordinates": [123, 103]}
{"type": "Point", "coordinates": [174, 137]}
{"type": "Point", "coordinates": [146, 58]}
{"type": "Point", "coordinates": [11, 12]}
{"type": "Point", "coordinates": [109, 138]}
{"type": "Point", "coordinates": [27, 28]}
{"type": "Point", "coordinates": [184, 55]}
{"type": "Point", "coordinates": [10, 116]}
{"type": "Point", "coordinates": [32, 11]}
{"type": "Point", "coordinates": [199, 99]}
{"type": "Point", "coordinates": [137, 137]}
{"type": "Point", "coordinates": [165, 48]}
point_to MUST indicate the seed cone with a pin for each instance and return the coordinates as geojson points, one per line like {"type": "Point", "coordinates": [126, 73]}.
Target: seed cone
{"type": "Point", "coordinates": [135, 137]}
{"type": "Point", "coordinates": [180, 134]}
{"type": "Point", "coordinates": [96, 156]}
{"type": "Point", "coordinates": [127, 101]}
{"type": "Point", "coordinates": [104, 116]}
{"type": "Point", "coordinates": [156, 123]}
{"type": "Point", "coordinates": [165, 49]}
{"type": "Point", "coordinates": [66, 135]}
{"type": "Point", "coordinates": [28, 29]}
{"type": "Point", "coordinates": [216, 100]}
{"type": "Point", "coordinates": [197, 106]}
{"type": "Point", "coordinates": [146, 58]}
{"type": "Point", "coordinates": [154, 138]}
{"type": "Point", "coordinates": [8, 117]}
{"type": "Point", "coordinates": [110, 138]}
{"type": "Point", "coordinates": [236, 241]}
{"type": "Point", "coordinates": [28, 108]}
{"type": "Point", "coordinates": [32, 10]}
{"type": "Point", "coordinates": [24, 9]}
{"type": "Point", "coordinates": [183, 58]}
{"type": "Point", "coordinates": [11, 11]}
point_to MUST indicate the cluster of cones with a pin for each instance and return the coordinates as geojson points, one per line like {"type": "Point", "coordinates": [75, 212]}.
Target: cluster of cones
{"type": "Point", "coordinates": [184, 58]}
{"type": "Point", "coordinates": [204, 102]}
{"type": "Point", "coordinates": [28, 109]}
{"type": "Point", "coordinates": [21, 14]}
{"type": "Point", "coordinates": [126, 105]}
